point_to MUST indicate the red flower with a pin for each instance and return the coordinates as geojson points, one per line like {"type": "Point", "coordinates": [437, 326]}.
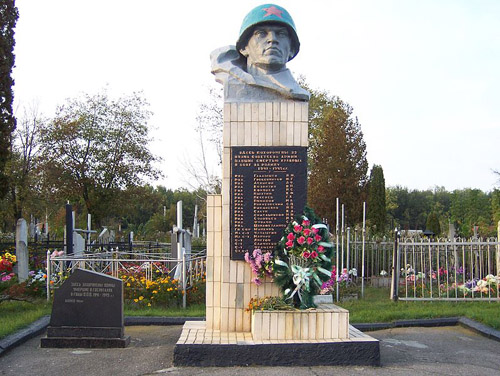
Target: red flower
{"type": "Point", "coordinates": [297, 228]}
{"type": "Point", "coordinates": [301, 240]}
{"type": "Point", "coordinates": [314, 254]}
{"type": "Point", "coordinates": [307, 232]}
{"type": "Point", "coordinates": [306, 255]}
{"type": "Point", "coordinates": [290, 236]}
{"type": "Point", "coordinates": [315, 230]}
{"type": "Point", "coordinates": [317, 237]}
{"type": "Point", "coordinates": [289, 244]}
{"type": "Point", "coordinates": [310, 241]}
{"type": "Point", "coordinates": [321, 248]}
{"type": "Point", "coordinates": [306, 222]}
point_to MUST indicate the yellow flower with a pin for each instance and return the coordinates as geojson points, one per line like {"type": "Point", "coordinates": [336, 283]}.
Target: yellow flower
{"type": "Point", "coordinates": [149, 304]}
{"type": "Point", "coordinates": [136, 300]}
{"type": "Point", "coordinates": [128, 284]}
{"type": "Point", "coordinates": [141, 297]}
{"type": "Point", "coordinates": [155, 292]}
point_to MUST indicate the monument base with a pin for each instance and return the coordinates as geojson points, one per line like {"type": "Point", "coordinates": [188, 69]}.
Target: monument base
{"type": "Point", "coordinates": [84, 342]}
{"type": "Point", "coordinates": [85, 337]}
{"type": "Point", "coordinates": [198, 346]}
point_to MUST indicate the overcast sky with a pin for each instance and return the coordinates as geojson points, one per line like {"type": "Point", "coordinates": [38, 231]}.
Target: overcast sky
{"type": "Point", "coordinates": [422, 76]}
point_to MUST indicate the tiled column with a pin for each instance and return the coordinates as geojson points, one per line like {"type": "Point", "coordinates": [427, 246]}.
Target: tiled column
{"type": "Point", "coordinates": [229, 286]}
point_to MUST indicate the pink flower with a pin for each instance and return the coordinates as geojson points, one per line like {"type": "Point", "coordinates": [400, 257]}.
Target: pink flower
{"type": "Point", "coordinates": [317, 238]}
{"type": "Point", "coordinates": [301, 240]}
{"type": "Point", "coordinates": [267, 256]}
{"type": "Point", "coordinates": [247, 257]}
{"type": "Point", "coordinates": [307, 232]}
{"type": "Point", "coordinates": [315, 230]}
{"type": "Point", "coordinates": [297, 228]}
{"type": "Point", "coordinates": [314, 254]}
{"type": "Point", "coordinates": [257, 281]}
{"type": "Point", "coordinates": [289, 244]}
{"type": "Point", "coordinates": [290, 236]}
{"type": "Point", "coordinates": [310, 241]}
{"type": "Point", "coordinates": [306, 255]}
{"type": "Point", "coordinates": [306, 222]}
{"type": "Point", "coordinates": [321, 248]}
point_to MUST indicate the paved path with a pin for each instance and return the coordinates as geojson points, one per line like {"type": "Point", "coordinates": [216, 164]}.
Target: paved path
{"type": "Point", "coordinates": [416, 351]}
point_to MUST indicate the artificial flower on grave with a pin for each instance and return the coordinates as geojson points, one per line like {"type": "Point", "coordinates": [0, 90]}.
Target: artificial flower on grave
{"type": "Point", "coordinates": [302, 260]}
{"type": "Point", "coordinates": [261, 264]}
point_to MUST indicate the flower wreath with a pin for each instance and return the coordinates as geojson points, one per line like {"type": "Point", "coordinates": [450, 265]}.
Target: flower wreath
{"type": "Point", "coordinates": [302, 260]}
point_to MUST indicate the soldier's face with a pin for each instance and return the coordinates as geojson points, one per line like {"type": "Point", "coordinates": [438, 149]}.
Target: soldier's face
{"type": "Point", "coordinates": [268, 47]}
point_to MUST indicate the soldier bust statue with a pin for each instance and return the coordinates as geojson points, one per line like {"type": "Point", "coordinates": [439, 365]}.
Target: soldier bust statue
{"type": "Point", "coordinates": [255, 69]}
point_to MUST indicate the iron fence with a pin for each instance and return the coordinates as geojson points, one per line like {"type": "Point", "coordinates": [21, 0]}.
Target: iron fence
{"type": "Point", "coordinates": [187, 270]}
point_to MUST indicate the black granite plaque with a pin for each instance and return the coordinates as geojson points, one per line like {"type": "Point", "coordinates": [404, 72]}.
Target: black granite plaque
{"type": "Point", "coordinates": [268, 188]}
{"type": "Point", "coordinates": [87, 312]}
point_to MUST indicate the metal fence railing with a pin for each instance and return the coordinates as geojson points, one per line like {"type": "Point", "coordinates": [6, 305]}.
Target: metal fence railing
{"type": "Point", "coordinates": [449, 270]}
{"type": "Point", "coordinates": [457, 269]}
{"type": "Point", "coordinates": [186, 270]}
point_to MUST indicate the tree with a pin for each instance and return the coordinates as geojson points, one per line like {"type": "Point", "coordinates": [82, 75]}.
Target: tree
{"type": "Point", "coordinates": [8, 20]}
{"type": "Point", "coordinates": [470, 207]}
{"type": "Point", "coordinates": [376, 210]}
{"type": "Point", "coordinates": [94, 147]}
{"type": "Point", "coordinates": [337, 157]}
{"type": "Point", "coordinates": [25, 153]}
{"type": "Point", "coordinates": [433, 224]}
{"type": "Point", "coordinates": [210, 123]}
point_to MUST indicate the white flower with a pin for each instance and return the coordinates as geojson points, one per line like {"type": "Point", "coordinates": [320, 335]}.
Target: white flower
{"type": "Point", "coordinates": [383, 273]}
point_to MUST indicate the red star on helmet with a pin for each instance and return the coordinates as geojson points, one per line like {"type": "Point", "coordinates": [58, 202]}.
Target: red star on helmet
{"type": "Point", "coordinates": [273, 11]}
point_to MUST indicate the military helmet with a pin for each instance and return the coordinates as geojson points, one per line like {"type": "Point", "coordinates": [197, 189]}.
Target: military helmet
{"type": "Point", "coordinates": [268, 13]}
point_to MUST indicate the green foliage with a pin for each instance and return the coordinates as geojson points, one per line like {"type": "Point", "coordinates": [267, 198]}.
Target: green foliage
{"type": "Point", "coordinates": [337, 157]}
{"type": "Point", "coordinates": [376, 208]}
{"type": "Point", "coordinates": [470, 207]}
{"type": "Point", "coordinates": [8, 19]}
{"type": "Point", "coordinates": [96, 146]}
{"type": "Point", "coordinates": [433, 224]}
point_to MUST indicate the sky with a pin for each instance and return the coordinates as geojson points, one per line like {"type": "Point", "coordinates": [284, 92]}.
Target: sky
{"type": "Point", "coordinates": [422, 76]}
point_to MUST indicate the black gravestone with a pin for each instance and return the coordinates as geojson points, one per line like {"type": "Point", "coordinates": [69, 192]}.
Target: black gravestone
{"type": "Point", "coordinates": [87, 312]}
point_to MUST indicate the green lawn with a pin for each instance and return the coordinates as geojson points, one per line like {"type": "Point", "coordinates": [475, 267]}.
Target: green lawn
{"type": "Point", "coordinates": [376, 307]}
{"type": "Point", "coordinates": [15, 315]}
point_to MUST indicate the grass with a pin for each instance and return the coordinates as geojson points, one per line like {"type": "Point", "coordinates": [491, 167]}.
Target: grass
{"type": "Point", "coordinates": [195, 310]}
{"type": "Point", "coordinates": [376, 307]}
{"type": "Point", "coordinates": [15, 315]}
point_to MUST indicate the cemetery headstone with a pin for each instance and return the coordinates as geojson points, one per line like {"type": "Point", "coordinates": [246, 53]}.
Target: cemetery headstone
{"type": "Point", "coordinates": [78, 244]}
{"type": "Point", "coordinates": [22, 250]}
{"type": "Point", "coordinates": [87, 312]}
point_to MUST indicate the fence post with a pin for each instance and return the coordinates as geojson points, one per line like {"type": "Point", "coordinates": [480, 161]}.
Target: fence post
{"type": "Point", "coordinates": [363, 254]}
{"type": "Point", "coordinates": [48, 275]}
{"type": "Point", "coordinates": [183, 278]}
{"type": "Point", "coordinates": [395, 268]}
{"type": "Point", "coordinates": [498, 249]}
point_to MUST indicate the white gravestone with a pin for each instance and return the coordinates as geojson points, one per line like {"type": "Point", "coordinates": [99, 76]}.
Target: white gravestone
{"type": "Point", "coordinates": [22, 250]}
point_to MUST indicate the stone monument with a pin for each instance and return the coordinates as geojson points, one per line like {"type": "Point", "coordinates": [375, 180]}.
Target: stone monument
{"type": "Point", "coordinates": [87, 312]}
{"type": "Point", "coordinates": [265, 139]}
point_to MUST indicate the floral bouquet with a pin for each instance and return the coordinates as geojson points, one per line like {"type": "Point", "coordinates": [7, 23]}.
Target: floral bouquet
{"type": "Point", "coordinates": [261, 264]}
{"type": "Point", "coordinates": [302, 260]}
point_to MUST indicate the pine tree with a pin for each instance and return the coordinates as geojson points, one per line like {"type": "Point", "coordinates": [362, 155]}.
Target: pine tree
{"type": "Point", "coordinates": [376, 211]}
{"type": "Point", "coordinates": [337, 158]}
{"type": "Point", "coordinates": [8, 19]}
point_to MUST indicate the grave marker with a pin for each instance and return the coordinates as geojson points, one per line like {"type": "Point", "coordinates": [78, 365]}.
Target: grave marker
{"type": "Point", "coordinates": [87, 312]}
